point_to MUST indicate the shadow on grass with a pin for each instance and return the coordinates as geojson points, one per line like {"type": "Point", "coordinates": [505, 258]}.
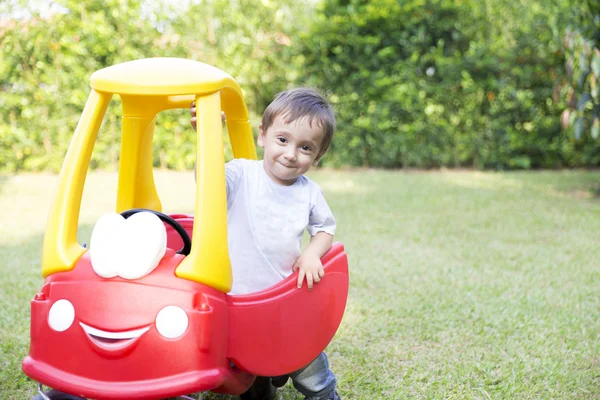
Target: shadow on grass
{"type": "Point", "coordinates": [3, 180]}
{"type": "Point", "coordinates": [587, 186]}
{"type": "Point", "coordinates": [578, 184]}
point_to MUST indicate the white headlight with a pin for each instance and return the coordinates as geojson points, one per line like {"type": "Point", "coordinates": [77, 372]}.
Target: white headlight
{"type": "Point", "coordinates": [171, 322]}
{"type": "Point", "coordinates": [61, 315]}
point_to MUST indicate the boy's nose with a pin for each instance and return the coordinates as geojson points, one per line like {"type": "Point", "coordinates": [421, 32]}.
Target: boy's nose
{"type": "Point", "coordinates": [290, 154]}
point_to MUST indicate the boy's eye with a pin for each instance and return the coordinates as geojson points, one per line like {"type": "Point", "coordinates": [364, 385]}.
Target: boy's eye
{"type": "Point", "coordinates": [282, 139]}
{"type": "Point", "coordinates": [306, 148]}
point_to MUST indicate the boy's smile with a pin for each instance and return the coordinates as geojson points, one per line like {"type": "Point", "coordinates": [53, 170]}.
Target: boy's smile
{"type": "Point", "coordinates": [290, 149]}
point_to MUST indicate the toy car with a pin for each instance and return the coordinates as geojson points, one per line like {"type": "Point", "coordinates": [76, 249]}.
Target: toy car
{"type": "Point", "coordinates": [145, 312]}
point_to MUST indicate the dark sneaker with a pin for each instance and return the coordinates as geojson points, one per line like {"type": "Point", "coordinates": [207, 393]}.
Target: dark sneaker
{"type": "Point", "coordinates": [57, 395]}
{"type": "Point", "coordinates": [261, 389]}
{"type": "Point", "coordinates": [279, 381]}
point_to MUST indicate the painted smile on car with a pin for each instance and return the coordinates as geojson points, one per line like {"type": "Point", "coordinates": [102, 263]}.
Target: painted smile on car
{"type": "Point", "coordinates": [112, 341]}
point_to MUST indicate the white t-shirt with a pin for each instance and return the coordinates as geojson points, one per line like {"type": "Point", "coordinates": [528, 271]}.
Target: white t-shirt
{"type": "Point", "coordinates": [266, 221]}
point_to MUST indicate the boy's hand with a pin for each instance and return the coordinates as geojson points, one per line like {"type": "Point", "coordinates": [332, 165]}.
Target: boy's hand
{"type": "Point", "coordinates": [193, 114]}
{"type": "Point", "coordinates": [309, 266]}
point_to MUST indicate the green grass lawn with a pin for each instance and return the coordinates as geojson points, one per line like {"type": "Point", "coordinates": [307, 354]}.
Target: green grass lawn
{"type": "Point", "coordinates": [464, 285]}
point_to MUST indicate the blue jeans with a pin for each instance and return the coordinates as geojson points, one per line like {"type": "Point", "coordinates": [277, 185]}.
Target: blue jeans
{"type": "Point", "coordinates": [315, 381]}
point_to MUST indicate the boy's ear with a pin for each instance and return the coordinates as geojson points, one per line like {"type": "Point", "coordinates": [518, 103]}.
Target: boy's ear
{"type": "Point", "coordinates": [316, 162]}
{"type": "Point", "coordinates": [261, 135]}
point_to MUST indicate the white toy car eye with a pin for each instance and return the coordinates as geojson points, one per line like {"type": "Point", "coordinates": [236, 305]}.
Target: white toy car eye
{"type": "Point", "coordinates": [171, 322]}
{"type": "Point", "coordinates": [61, 315]}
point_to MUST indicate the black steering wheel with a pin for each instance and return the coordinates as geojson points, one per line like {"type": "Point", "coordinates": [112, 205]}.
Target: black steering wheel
{"type": "Point", "coordinates": [187, 243]}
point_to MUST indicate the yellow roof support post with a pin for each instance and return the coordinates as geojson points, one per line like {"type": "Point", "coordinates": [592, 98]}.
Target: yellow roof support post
{"type": "Point", "coordinates": [136, 178]}
{"type": "Point", "coordinates": [208, 261]}
{"type": "Point", "coordinates": [238, 125]}
{"type": "Point", "coordinates": [61, 251]}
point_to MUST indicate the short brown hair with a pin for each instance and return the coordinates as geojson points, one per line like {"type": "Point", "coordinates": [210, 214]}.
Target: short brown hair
{"type": "Point", "coordinates": [299, 103]}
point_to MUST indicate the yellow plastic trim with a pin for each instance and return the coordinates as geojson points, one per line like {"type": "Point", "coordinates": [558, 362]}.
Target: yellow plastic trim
{"type": "Point", "coordinates": [238, 125]}
{"type": "Point", "coordinates": [147, 87]}
{"type": "Point", "coordinates": [61, 251]}
{"type": "Point", "coordinates": [136, 187]}
{"type": "Point", "coordinates": [161, 76]}
{"type": "Point", "coordinates": [208, 261]}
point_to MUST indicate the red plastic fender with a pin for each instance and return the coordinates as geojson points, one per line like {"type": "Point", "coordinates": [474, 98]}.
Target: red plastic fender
{"type": "Point", "coordinates": [281, 329]}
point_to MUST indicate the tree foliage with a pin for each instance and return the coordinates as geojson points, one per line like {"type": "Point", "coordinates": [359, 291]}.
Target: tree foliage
{"type": "Point", "coordinates": [416, 83]}
{"type": "Point", "coordinates": [432, 83]}
{"type": "Point", "coordinates": [45, 70]}
{"type": "Point", "coordinates": [47, 62]}
{"type": "Point", "coordinates": [582, 47]}
{"type": "Point", "coordinates": [253, 41]}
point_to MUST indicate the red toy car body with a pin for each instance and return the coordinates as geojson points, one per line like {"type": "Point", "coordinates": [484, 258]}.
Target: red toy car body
{"type": "Point", "coordinates": [229, 338]}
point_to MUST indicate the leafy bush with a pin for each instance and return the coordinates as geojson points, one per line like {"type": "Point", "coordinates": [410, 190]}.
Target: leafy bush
{"type": "Point", "coordinates": [582, 47]}
{"type": "Point", "coordinates": [442, 83]}
{"type": "Point", "coordinates": [417, 83]}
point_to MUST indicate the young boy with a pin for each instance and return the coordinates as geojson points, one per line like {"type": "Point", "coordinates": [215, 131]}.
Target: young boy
{"type": "Point", "coordinates": [269, 205]}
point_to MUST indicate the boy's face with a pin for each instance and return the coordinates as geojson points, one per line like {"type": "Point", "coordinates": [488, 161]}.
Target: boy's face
{"type": "Point", "coordinates": [289, 149]}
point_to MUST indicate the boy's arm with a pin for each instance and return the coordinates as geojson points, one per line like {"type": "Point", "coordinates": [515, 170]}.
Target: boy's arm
{"type": "Point", "coordinates": [309, 263]}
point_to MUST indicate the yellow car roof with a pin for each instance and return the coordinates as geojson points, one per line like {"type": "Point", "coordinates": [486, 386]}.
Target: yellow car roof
{"type": "Point", "coordinates": [178, 76]}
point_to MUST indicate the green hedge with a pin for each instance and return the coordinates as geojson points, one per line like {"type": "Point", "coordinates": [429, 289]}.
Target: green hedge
{"type": "Point", "coordinates": [444, 83]}
{"type": "Point", "coordinates": [416, 83]}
